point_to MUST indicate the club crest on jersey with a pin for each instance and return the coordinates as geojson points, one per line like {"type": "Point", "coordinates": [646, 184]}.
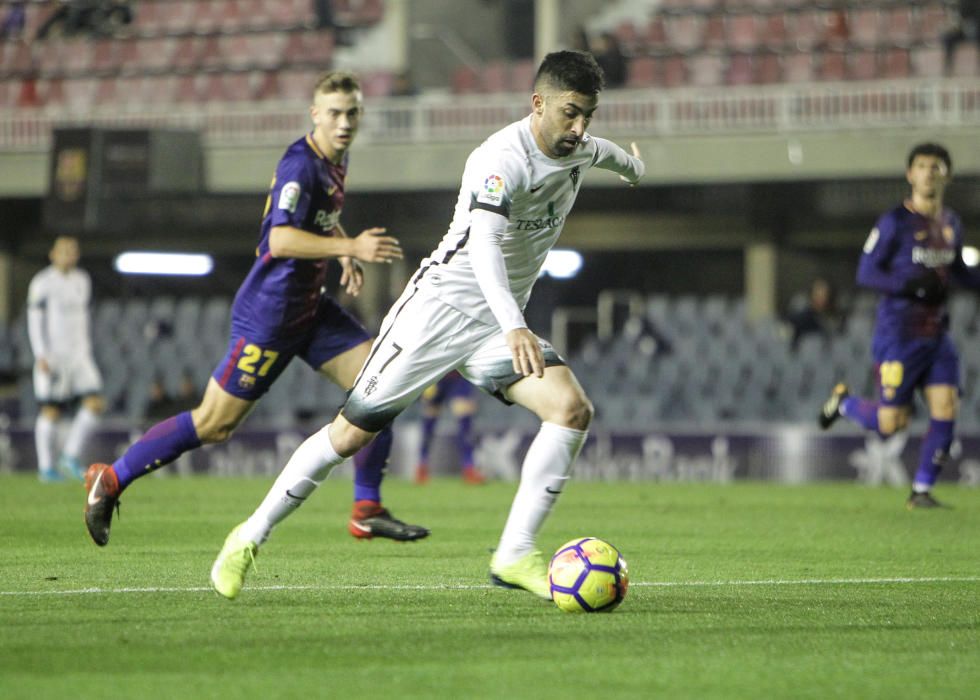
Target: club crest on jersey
{"type": "Point", "coordinates": [574, 174]}
{"type": "Point", "coordinates": [948, 234]}
{"type": "Point", "coordinates": [921, 235]}
{"type": "Point", "coordinates": [493, 190]}
{"type": "Point", "coordinates": [289, 197]}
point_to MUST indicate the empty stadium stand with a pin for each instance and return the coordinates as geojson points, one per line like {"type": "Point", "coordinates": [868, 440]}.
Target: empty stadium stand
{"type": "Point", "coordinates": [684, 360]}
{"type": "Point", "coordinates": [179, 52]}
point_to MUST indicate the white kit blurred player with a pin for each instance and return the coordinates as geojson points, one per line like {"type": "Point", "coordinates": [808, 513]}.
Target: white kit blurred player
{"type": "Point", "coordinates": [64, 371]}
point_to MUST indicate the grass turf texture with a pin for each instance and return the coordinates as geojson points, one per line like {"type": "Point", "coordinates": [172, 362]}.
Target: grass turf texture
{"type": "Point", "coordinates": [416, 620]}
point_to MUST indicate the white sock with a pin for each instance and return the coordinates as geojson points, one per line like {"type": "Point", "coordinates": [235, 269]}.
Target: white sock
{"type": "Point", "coordinates": [81, 428]}
{"type": "Point", "coordinates": [45, 434]}
{"type": "Point", "coordinates": [543, 475]}
{"type": "Point", "coordinates": [305, 470]}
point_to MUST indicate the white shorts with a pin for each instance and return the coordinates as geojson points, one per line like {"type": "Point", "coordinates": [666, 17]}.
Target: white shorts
{"type": "Point", "coordinates": [67, 379]}
{"type": "Point", "coordinates": [421, 339]}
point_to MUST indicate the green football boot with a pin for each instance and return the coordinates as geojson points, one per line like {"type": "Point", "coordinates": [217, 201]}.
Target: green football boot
{"type": "Point", "coordinates": [233, 562]}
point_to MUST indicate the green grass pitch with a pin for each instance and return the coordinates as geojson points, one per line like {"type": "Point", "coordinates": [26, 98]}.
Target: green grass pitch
{"type": "Point", "coordinates": [740, 591]}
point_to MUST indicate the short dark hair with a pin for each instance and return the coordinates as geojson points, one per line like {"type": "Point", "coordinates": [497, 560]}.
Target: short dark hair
{"type": "Point", "coordinates": [570, 70]}
{"type": "Point", "coordinates": [931, 149]}
{"type": "Point", "coordinates": [336, 81]}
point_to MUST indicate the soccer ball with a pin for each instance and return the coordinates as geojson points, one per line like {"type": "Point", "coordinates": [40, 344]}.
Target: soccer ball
{"type": "Point", "coordinates": [587, 575]}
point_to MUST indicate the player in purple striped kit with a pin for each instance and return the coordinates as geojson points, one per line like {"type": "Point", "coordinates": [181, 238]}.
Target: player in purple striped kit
{"type": "Point", "coordinates": [459, 394]}
{"type": "Point", "coordinates": [911, 256]}
{"type": "Point", "coordinates": [281, 312]}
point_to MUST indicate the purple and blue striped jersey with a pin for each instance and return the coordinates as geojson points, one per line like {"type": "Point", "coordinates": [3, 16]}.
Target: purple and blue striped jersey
{"type": "Point", "coordinates": [902, 246]}
{"type": "Point", "coordinates": [307, 192]}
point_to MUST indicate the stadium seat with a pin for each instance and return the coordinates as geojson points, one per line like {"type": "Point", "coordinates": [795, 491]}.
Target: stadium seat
{"type": "Point", "coordinates": [774, 33]}
{"type": "Point", "coordinates": [656, 36]}
{"type": "Point", "coordinates": [767, 68]}
{"type": "Point", "coordinates": [798, 67]}
{"type": "Point", "coordinates": [714, 33]}
{"type": "Point", "coordinates": [673, 71]}
{"type": "Point", "coordinates": [966, 61]}
{"type": "Point", "coordinates": [863, 24]}
{"type": "Point", "coordinates": [927, 61]}
{"type": "Point", "coordinates": [684, 32]}
{"type": "Point", "coordinates": [808, 29]}
{"type": "Point", "coordinates": [863, 65]}
{"type": "Point", "coordinates": [932, 20]}
{"type": "Point", "coordinates": [832, 65]}
{"type": "Point", "coordinates": [740, 70]}
{"type": "Point", "coordinates": [641, 71]}
{"type": "Point", "coordinates": [897, 25]}
{"type": "Point", "coordinates": [742, 32]}
{"type": "Point", "coordinates": [705, 70]}
{"type": "Point", "coordinates": [897, 64]}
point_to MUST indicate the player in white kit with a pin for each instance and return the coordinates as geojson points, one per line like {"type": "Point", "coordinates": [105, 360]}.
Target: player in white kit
{"type": "Point", "coordinates": [64, 371]}
{"type": "Point", "coordinates": [463, 310]}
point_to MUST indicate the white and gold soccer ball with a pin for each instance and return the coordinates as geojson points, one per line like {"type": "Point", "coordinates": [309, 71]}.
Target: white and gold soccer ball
{"type": "Point", "coordinates": [588, 575]}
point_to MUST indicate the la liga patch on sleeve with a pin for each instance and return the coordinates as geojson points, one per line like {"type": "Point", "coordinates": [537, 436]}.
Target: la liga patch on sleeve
{"type": "Point", "coordinates": [289, 197]}
{"type": "Point", "coordinates": [492, 191]}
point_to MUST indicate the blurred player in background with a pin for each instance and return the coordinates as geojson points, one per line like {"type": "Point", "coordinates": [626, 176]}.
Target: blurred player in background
{"type": "Point", "coordinates": [65, 372]}
{"type": "Point", "coordinates": [913, 253]}
{"type": "Point", "coordinates": [281, 312]}
{"type": "Point", "coordinates": [458, 393]}
{"type": "Point", "coordinates": [463, 310]}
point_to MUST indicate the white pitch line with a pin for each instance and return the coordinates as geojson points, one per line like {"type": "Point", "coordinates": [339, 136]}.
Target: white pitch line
{"type": "Point", "coordinates": [468, 587]}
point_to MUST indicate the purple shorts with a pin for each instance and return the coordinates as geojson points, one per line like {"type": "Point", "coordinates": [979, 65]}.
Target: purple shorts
{"type": "Point", "coordinates": [450, 387]}
{"type": "Point", "coordinates": [904, 366]}
{"type": "Point", "coordinates": [257, 355]}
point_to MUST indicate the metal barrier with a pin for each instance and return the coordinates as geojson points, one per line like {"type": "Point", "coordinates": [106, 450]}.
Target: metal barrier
{"type": "Point", "coordinates": [449, 118]}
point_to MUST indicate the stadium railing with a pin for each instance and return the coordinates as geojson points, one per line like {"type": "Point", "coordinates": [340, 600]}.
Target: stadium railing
{"type": "Point", "coordinates": [443, 118]}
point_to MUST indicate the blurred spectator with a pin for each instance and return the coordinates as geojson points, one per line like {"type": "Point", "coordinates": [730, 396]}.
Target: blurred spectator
{"type": "Point", "coordinates": [967, 28]}
{"type": "Point", "coordinates": [162, 405]}
{"type": "Point", "coordinates": [819, 315]}
{"type": "Point", "coordinates": [324, 14]}
{"type": "Point", "coordinates": [838, 32]}
{"type": "Point", "coordinates": [86, 17]}
{"type": "Point", "coordinates": [580, 39]}
{"type": "Point", "coordinates": [12, 25]}
{"type": "Point", "coordinates": [609, 55]}
{"type": "Point", "coordinates": [402, 85]}
{"type": "Point", "coordinates": [115, 16]}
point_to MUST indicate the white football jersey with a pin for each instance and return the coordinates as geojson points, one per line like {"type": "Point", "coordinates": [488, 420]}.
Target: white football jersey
{"type": "Point", "coordinates": [509, 175]}
{"type": "Point", "coordinates": [58, 313]}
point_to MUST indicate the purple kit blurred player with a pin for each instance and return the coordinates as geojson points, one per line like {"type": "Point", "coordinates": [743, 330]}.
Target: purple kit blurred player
{"type": "Point", "coordinates": [459, 394]}
{"type": "Point", "coordinates": [280, 312]}
{"type": "Point", "coordinates": [910, 257]}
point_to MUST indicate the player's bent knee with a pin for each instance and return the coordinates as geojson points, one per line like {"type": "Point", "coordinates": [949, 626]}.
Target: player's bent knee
{"type": "Point", "coordinates": [212, 429]}
{"type": "Point", "coordinates": [213, 434]}
{"type": "Point", "coordinates": [576, 413]}
{"type": "Point", "coordinates": [890, 422]}
{"type": "Point", "coordinates": [346, 438]}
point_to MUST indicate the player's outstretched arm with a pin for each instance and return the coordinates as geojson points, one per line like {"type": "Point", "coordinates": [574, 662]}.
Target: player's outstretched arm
{"type": "Point", "coordinates": [370, 246]}
{"type": "Point", "coordinates": [609, 156]}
